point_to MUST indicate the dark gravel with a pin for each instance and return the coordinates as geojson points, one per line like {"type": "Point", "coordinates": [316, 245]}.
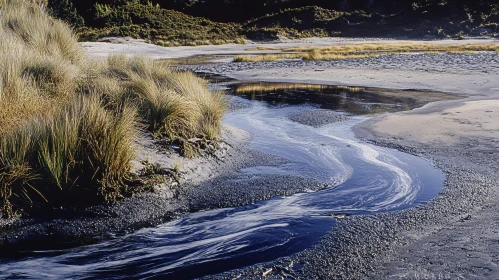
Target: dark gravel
{"type": "Point", "coordinates": [453, 236]}
{"type": "Point", "coordinates": [480, 62]}
{"type": "Point", "coordinates": [317, 117]}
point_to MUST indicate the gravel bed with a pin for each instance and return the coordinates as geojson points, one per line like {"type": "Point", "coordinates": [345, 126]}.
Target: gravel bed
{"type": "Point", "coordinates": [480, 62]}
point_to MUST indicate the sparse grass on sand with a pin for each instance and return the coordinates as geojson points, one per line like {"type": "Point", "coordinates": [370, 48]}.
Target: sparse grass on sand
{"type": "Point", "coordinates": [313, 55]}
{"type": "Point", "coordinates": [351, 51]}
{"type": "Point", "coordinates": [70, 126]}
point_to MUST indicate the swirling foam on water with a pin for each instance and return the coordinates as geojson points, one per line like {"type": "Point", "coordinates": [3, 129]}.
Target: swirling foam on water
{"type": "Point", "coordinates": [362, 179]}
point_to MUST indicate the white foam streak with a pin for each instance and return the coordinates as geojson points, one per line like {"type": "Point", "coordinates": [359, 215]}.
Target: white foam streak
{"type": "Point", "coordinates": [400, 190]}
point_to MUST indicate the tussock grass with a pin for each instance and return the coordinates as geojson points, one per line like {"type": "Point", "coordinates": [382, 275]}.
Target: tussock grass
{"type": "Point", "coordinates": [174, 104]}
{"type": "Point", "coordinates": [168, 113]}
{"type": "Point", "coordinates": [210, 105]}
{"type": "Point", "coordinates": [180, 106]}
{"type": "Point", "coordinates": [70, 126]}
{"type": "Point", "coordinates": [40, 62]}
{"type": "Point", "coordinates": [47, 36]}
{"type": "Point", "coordinates": [267, 57]}
{"type": "Point", "coordinates": [81, 154]}
{"type": "Point", "coordinates": [15, 173]}
{"type": "Point", "coordinates": [317, 55]}
{"type": "Point", "coordinates": [350, 51]}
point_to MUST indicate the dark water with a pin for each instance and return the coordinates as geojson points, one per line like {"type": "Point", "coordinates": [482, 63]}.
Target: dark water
{"type": "Point", "coordinates": [361, 179]}
{"type": "Point", "coordinates": [352, 100]}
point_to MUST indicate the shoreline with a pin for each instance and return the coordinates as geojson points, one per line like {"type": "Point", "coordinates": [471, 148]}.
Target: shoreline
{"type": "Point", "coordinates": [469, 196]}
{"type": "Point", "coordinates": [415, 242]}
{"type": "Point", "coordinates": [410, 240]}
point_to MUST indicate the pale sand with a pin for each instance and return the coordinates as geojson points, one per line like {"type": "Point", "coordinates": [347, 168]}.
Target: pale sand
{"type": "Point", "coordinates": [434, 122]}
{"type": "Point", "coordinates": [195, 170]}
{"type": "Point", "coordinates": [473, 119]}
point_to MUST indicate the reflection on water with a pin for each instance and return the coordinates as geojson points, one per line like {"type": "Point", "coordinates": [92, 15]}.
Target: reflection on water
{"type": "Point", "coordinates": [362, 179]}
{"type": "Point", "coordinates": [191, 60]}
{"type": "Point", "coordinates": [352, 100]}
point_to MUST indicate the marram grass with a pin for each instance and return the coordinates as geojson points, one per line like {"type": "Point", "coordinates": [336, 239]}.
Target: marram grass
{"type": "Point", "coordinates": [83, 151]}
{"type": "Point", "coordinates": [70, 126]}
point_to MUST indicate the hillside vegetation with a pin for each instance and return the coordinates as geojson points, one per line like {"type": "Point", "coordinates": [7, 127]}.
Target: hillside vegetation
{"type": "Point", "coordinates": [70, 126]}
{"type": "Point", "coordinates": [163, 27]}
{"type": "Point", "coordinates": [193, 22]}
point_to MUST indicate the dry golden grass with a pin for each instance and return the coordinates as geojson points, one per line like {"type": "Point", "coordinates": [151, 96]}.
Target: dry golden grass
{"type": "Point", "coordinates": [39, 63]}
{"type": "Point", "coordinates": [351, 51]}
{"type": "Point", "coordinates": [179, 105]}
{"type": "Point", "coordinates": [69, 125]}
{"type": "Point", "coordinates": [266, 57]}
{"type": "Point", "coordinates": [30, 84]}
{"type": "Point", "coordinates": [168, 113]}
{"type": "Point", "coordinates": [80, 154]}
{"type": "Point", "coordinates": [315, 54]}
{"type": "Point", "coordinates": [210, 105]}
{"type": "Point", "coordinates": [175, 104]}
{"type": "Point", "coordinates": [312, 55]}
{"type": "Point", "coordinates": [397, 47]}
{"type": "Point", "coordinates": [30, 24]}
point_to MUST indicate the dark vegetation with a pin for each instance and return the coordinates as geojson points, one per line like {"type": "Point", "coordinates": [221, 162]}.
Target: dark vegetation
{"type": "Point", "coordinates": [193, 22]}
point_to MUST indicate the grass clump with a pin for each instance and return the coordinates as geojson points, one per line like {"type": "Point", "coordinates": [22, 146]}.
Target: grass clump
{"type": "Point", "coordinates": [266, 57]}
{"type": "Point", "coordinates": [352, 51]}
{"type": "Point", "coordinates": [70, 126]}
{"type": "Point", "coordinates": [174, 104]}
{"type": "Point", "coordinates": [79, 155]}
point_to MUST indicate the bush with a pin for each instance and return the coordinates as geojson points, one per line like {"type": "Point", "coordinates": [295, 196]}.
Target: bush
{"type": "Point", "coordinates": [63, 9]}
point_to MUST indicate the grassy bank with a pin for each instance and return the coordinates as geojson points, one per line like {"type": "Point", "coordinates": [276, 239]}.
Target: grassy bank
{"type": "Point", "coordinates": [69, 125]}
{"type": "Point", "coordinates": [351, 51]}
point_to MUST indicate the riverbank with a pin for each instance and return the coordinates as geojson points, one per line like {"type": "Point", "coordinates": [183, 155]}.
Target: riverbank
{"type": "Point", "coordinates": [432, 241]}
{"type": "Point", "coordinates": [352, 249]}
{"type": "Point", "coordinates": [66, 228]}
